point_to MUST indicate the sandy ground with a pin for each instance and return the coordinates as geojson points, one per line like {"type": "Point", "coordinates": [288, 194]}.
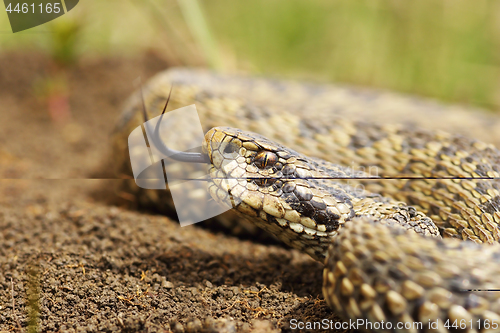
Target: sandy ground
{"type": "Point", "coordinates": [75, 258]}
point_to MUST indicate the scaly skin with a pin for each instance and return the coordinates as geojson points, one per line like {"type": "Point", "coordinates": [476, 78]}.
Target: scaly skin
{"type": "Point", "coordinates": [374, 269]}
{"type": "Point", "coordinates": [379, 268]}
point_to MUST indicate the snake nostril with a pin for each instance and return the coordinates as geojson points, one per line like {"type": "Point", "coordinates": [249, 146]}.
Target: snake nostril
{"type": "Point", "coordinates": [230, 148]}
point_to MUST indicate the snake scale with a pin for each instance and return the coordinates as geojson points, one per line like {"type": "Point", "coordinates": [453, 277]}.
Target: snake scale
{"type": "Point", "coordinates": [393, 248]}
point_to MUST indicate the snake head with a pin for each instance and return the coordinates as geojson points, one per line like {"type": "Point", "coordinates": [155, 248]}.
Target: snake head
{"type": "Point", "coordinates": [276, 188]}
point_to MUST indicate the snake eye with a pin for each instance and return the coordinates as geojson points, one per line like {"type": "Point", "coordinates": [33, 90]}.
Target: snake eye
{"type": "Point", "coordinates": [265, 181]}
{"type": "Point", "coordinates": [265, 159]}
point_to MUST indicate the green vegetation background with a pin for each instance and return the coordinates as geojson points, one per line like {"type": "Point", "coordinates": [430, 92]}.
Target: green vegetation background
{"type": "Point", "coordinates": [445, 49]}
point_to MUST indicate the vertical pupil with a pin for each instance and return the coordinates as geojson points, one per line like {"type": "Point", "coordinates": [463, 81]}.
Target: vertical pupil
{"type": "Point", "coordinates": [265, 159]}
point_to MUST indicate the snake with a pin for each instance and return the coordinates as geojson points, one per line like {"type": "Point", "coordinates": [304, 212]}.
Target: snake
{"type": "Point", "coordinates": [404, 215]}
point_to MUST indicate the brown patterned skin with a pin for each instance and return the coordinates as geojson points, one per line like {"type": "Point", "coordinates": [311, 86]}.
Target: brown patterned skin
{"type": "Point", "coordinates": [291, 195]}
{"type": "Point", "coordinates": [380, 267]}
{"type": "Point", "coordinates": [375, 269]}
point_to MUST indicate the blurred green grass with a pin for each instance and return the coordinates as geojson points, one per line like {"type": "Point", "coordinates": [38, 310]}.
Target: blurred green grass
{"type": "Point", "coordinates": [446, 49]}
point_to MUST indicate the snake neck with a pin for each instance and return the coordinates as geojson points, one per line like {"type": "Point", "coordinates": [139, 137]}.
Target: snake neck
{"type": "Point", "coordinates": [298, 199]}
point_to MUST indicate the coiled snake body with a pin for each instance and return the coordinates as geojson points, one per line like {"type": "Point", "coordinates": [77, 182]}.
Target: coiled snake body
{"type": "Point", "coordinates": [380, 239]}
